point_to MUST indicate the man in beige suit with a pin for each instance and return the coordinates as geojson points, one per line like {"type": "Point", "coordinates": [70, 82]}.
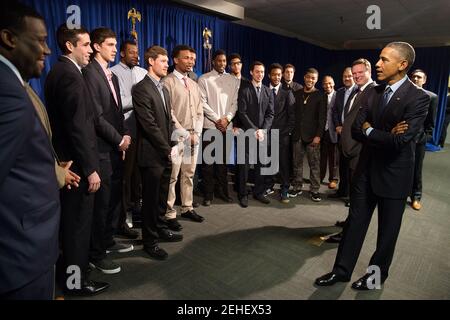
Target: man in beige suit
{"type": "Point", "coordinates": [187, 114]}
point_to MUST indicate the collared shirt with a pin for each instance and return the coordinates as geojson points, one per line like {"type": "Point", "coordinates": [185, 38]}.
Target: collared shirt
{"type": "Point", "coordinates": [395, 87]}
{"type": "Point", "coordinates": [179, 76]}
{"type": "Point", "coordinates": [127, 79]}
{"type": "Point", "coordinates": [360, 90]}
{"type": "Point", "coordinates": [108, 75]}
{"type": "Point", "coordinates": [276, 88]}
{"type": "Point", "coordinates": [329, 98]}
{"type": "Point", "coordinates": [219, 93]}
{"type": "Point", "coordinates": [348, 92]}
{"type": "Point", "coordinates": [13, 68]}
{"type": "Point", "coordinates": [159, 86]}
{"type": "Point", "coordinates": [73, 61]}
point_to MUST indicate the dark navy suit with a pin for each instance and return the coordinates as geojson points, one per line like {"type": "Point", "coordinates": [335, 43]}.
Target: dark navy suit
{"type": "Point", "coordinates": [29, 197]}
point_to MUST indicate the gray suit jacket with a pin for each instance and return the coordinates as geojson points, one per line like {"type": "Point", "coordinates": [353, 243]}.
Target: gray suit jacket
{"type": "Point", "coordinates": [330, 122]}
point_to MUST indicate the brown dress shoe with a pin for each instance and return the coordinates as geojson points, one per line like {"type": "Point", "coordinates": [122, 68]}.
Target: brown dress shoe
{"type": "Point", "coordinates": [416, 205]}
{"type": "Point", "coordinates": [332, 185]}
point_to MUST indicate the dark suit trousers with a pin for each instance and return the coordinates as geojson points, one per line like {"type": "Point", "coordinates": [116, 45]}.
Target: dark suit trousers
{"type": "Point", "coordinates": [155, 190]}
{"type": "Point", "coordinates": [215, 175]}
{"type": "Point", "coordinates": [416, 193]}
{"type": "Point", "coordinates": [328, 155]}
{"type": "Point", "coordinates": [243, 169]}
{"type": "Point", "coordinates": [283, 162]}
{"type": "Point", "coordinates": [131, 182]}
{"type": "Point", "coordinates": [362, 204]}
{"type": "Point", "coordinates": [77, 210]}
{"type": "Point", "coordinates": [107, 205]}
{"type": "Point", "coordinates": [344, 174]}
{"type": "Point", "coordinates": [41, 288]}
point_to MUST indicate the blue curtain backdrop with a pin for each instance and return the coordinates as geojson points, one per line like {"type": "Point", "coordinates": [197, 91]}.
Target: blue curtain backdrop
{"type": "Point", "coordinates": [168, 24]}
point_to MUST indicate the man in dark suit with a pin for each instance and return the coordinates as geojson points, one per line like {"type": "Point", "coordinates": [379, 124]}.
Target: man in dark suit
{"type": "Point", "coordinates": [113, 140]}
{"type": "Point", "coordinates": [151, 103]}
{"type": "Point", "coordinates": [385, 170]}
{"type": "Point", "coordinates": [342, 95]}
{"type": "Point", "coordinates": [351, 148]}
{"type": "Point", "coordinates": [255, 112]}
{"type": "Point", "coordinates": [310, 118]}
{"type": "Point", "coordinates": [419, 78]}
{"type": "Point", "coordinates": [328, 147]}
{"type": "Point", "coordinates": [288, 82]}
{"type": "Point", "coordinates": [283, 122]}
{"type": "Point", "coordinates": [29, 201]}
{"type": "Point", "coordinates": [72, 120]}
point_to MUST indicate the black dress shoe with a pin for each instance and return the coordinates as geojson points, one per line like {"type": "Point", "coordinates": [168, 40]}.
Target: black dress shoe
{"type": "Point", "coordinates": [362, 284]}
{"type": "Point", "coordinates": [329, 279]}
{"type": "Point", "coordinates": [192, 215]}
{"type": "Point", "coordinates": [88, 288]}
{"type": "Point", "coordinates": [336, 195]}
{"type": "Point", "coordinates": [224, 197]}
{"type": "Point", "coordinates": [261, 198]}
{"type": "Point", "coordinates": [335, 238]}
{"type": "Point", "coordinates": [126, 232]}
{"type": "Point", "coordinates": [243, 202]}
{"type": "Point", "coordinates": [167, 236]}
{"type": "Point", "coordinates": [347, 203]}
{"type": "Point", "coordinates": [173, 224]}
{"type": "Point", "coordinates": [156, 252]}
{"type": "Point", "coordinates": [207, 203]}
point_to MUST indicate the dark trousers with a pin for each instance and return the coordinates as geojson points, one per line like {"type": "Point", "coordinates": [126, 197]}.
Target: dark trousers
{"type": "Point", "coordinates": [344, 175]}
{"type": "Point", "coordinates": [77, 210]}
{"type": "Point", "coordinates": [155, 189]}
{"type": "Point", "coordinates": [106, 205]}
{"type": "Point", "coordinates": [41, 288]}
{"type": "Point", "coordinates": [284, 164]}
{"type": "Point", "coordinates": [215, 178]}
{"type": "Point", "coordinates": [243, 169]}
{"type": "Point", "coordinates": [329, 155]}
{"type": "Point", "coordinates": [416, 193]}
{"type": "Point", "coordinates": [444, 130]}
{"type": "Point", "coordinates": [362, 204]}
{"type": "Point", "coordinates": [131, 183]}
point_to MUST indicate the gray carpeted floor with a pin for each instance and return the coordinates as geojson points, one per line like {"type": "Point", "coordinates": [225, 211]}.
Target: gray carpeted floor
{"type": "Point", "coordinates": [274, 251]}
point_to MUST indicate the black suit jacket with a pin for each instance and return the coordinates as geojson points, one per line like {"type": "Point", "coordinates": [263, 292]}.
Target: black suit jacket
{"type": "Point", "coordinates": [154, 124]}
{"type": "Point", "coordinates": [388, 159]}
{"type": "Point", "coordinates": [428, 125]}
{"type": "Point", "coordinates": [310, 119]}
{"type": "Point", "coordinates": [254, 115]}
{"type": "Point", "coordinates": [338, 107]}
{"type": "Point", "coordinates": [29, 195]}
{"type": "Point", "coordinates": [350, 147]}
{"type": "Point", "coordinates": [109, 124]}
{"type": "Point", "coordinates": [284, 112]}
{"type": "Point", "coordinates": [71, 117]}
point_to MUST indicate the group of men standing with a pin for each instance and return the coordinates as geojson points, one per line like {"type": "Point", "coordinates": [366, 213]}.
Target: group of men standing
{"type": "Point", "coordinates": [116, 135]}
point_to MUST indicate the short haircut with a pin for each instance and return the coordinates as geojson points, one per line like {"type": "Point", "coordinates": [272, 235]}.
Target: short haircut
{"type": "Point", "coordinates": [99, 36]}
{"type": "Point", "coordinates": [234, 56]}
{"type": "Point", "coordinates": [13, 14]}
{"type": "Point", "coordinates": [312, 70]}
{"type": "Point", "coordinates": [419, 70]}
{"type": "Point", "coordinates": [218, 52]}
{"type": "Point", "coordinates": [125, 43]}
{"type": "Point", "coordinates": [192, 50]}
{"type": "Point", "coordinates": [327, 76]}
{"type": "Point", "coordinates": [64, 34]}
{"type": "Point", "coordinates": [153, 52]}
{"type": "Point", "coordinates": [256, 63]}
{"type": "Point", "coordinates": [288, 65]}
{"type": "Point", "coordinates": [405, 50]}
{"type": "Point", "coordinates": [347, 68]}
{"type": "Point", "coordinates": [182, 47]}
{"type": "Point", "coordinates": [363, 61]}
{"type": "Point", "coordinates": [275, 66]}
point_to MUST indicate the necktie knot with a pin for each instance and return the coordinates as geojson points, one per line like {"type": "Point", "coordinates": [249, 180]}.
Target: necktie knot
{"type": "Point", "coordinates": [109, 74]}
{"type": "Point", "coordinates": [185, 82]}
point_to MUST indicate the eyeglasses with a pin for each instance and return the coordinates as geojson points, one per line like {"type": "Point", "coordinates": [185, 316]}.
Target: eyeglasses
{"type": "Point", "coordinates": [235, 63]}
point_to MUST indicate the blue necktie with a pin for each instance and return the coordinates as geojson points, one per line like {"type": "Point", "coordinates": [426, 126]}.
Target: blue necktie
{"type": "Point", "coordinates": [385, 99]}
